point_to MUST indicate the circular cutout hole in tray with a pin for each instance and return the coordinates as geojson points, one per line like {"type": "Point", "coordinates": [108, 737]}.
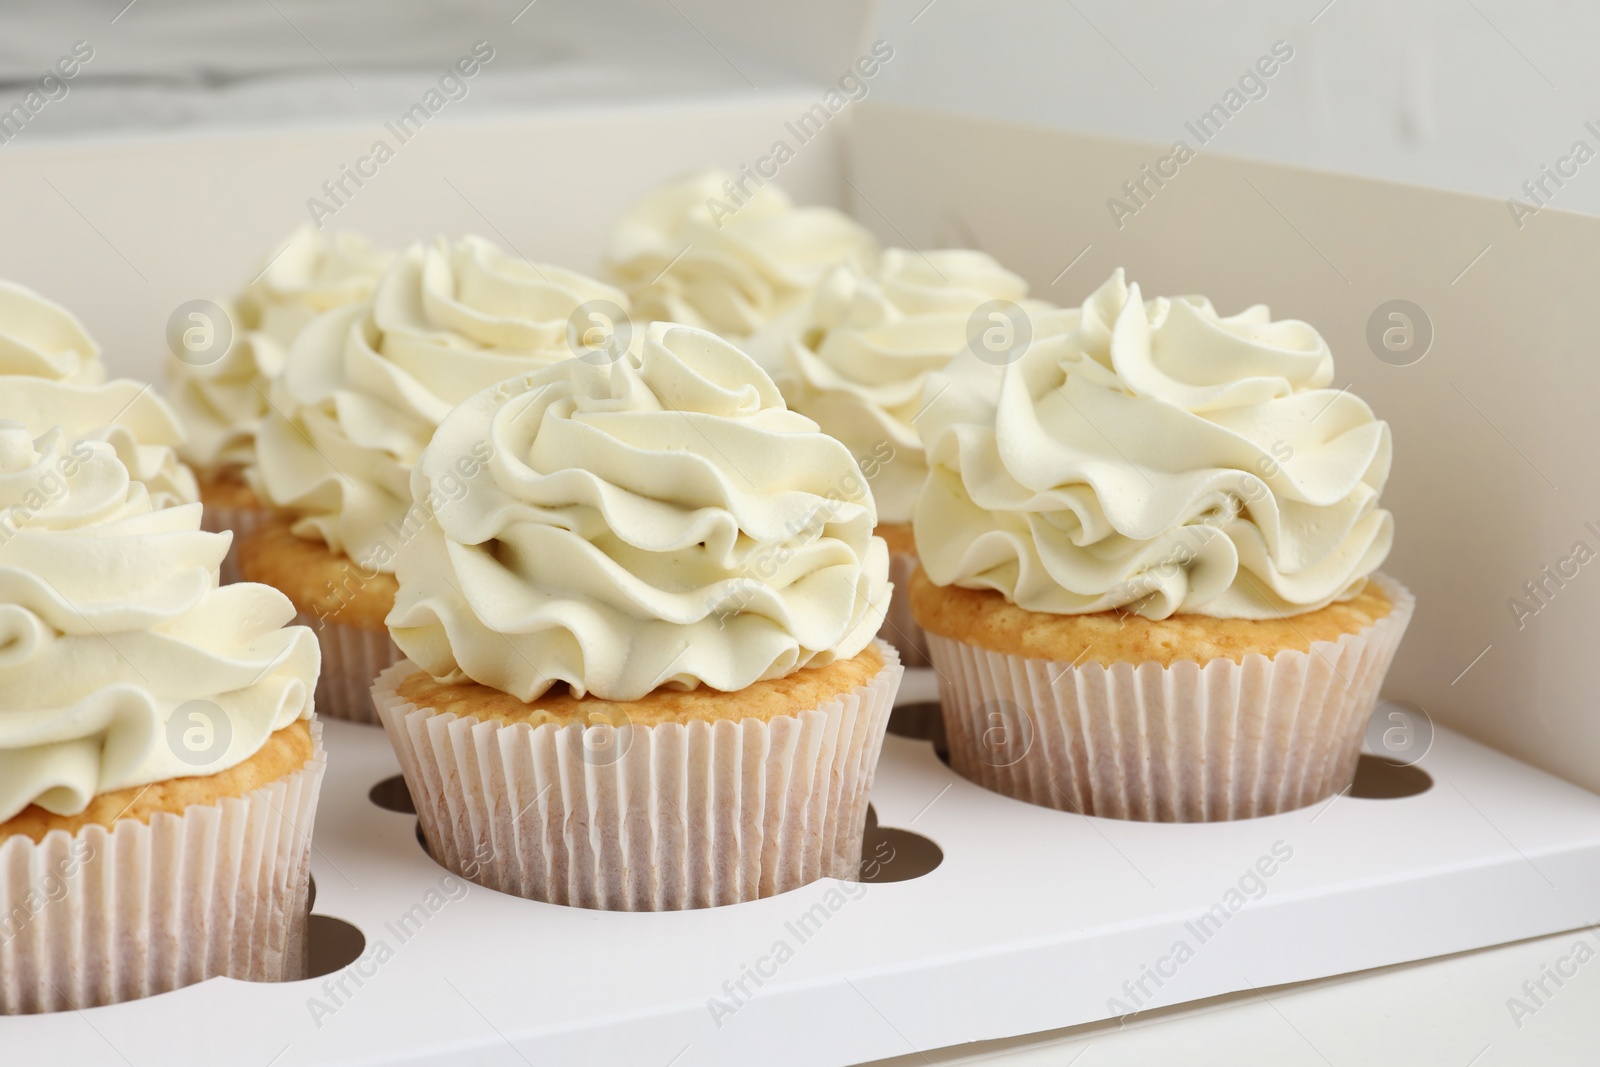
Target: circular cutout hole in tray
{"type": "Point", "coordinates": [392, 794]}
{"type": "Point", "coordinates": [331, 944]}
{"type": "Point", "coordinates": [1378, 779]}
{"type": "Point", "coordinates": [921, 721]}
{"type": "Point", "coordinates": [890, 854]}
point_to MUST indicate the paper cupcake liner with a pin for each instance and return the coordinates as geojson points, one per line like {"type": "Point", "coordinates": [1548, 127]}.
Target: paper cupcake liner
{"type": "Point", "coordinates": [645, 818]}
{"type": "Point", "coordinates": [116, 913]}
{"type": "Point", "coordinates": [900, 627]}
{"type": "Point", "coordinates": [1186, 743]}
{"type": "Point", "coordinates": [242, 521]}
{"type": "Point", "coordinates": [351, 659]}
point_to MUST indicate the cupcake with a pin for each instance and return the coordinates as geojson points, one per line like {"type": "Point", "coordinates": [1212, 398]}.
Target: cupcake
{"type": "Point", "coordinates": [727, 253]}
{"type": "Point", "coordinates": [361, 393]}
{"type": "Point", "coordinates": [856, 358]}
{"type": "Point", "coordinates": [159, 764]}
{"type": "Point", "coordinates": [220, 392]}
{"type": "Point", "coordinates": [1149, 550]}
{"type": "Point", "coordinates": [51, 376]}
{"type": "Point", "coordinates": [642, 669]}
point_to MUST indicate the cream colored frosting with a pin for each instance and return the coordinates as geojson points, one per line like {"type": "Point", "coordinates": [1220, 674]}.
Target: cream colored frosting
{"type": "Point", "coordinates": [700, 252]}
{"type": "Point", "coordinates": [112, 623]}
{"type": "Point", "coordinates": [51, 375]}
{"type": "Point", "coordinates": [660, 520]}
{"type": "Point", "coordinates": [42, 339]}
{"type": "Point", "coordinates": [314, 272]}
{"type": "Point", "coordinates": [221, 404]}
{"type": "Point", "coordinates": [365, 385]}
{"type": "Point", "coordinates": [1155, 457]}
{"type": "Point", "coordinates": [856, 357]}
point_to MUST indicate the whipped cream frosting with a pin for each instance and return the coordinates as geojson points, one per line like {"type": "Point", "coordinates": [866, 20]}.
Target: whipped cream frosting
{"type": "Point", "coordinates": [221, 404]}
{"type": "Point", "coordinates": [662, 520]}
{"type": "Point", "coordinates": [701, 252]}
{"type": "Point", "coordinates": [313, 272]}
{"type": "Point", "coordinates": [365, 385]}
{"type": "Point", "coordinates": [42, 339]}
{"type": "Point", "coordinates": [112, 623]}
{"type": "Point", "coordinates": [51, 375]}
{"type": "Point", "coordinates": [857, 356]}
{"type": "Point", "coordinates": [1155, 457]}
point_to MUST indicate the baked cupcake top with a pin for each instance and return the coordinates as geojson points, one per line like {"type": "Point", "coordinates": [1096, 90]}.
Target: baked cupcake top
{"type": "Point", "coordinates": [658, 520]}
{"type": "Point", "coordinates": [121, 660]}
{"type": "Point", "coordinates": [704, 250]}
{"type": "Point", "coordinates": [223, 401]}
{"type": "Point", "coordinates": [365, 385]}
{"type": "Point", "coordinates": [857, 355]}
{"type": "Point", "coordinates": [51, 375]}
{"type": "Point", "coordinates": [1156, 457]}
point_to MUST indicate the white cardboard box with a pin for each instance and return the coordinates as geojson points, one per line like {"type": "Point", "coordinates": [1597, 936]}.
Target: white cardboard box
{"type": "Point", "coordinates": [1035, 919]}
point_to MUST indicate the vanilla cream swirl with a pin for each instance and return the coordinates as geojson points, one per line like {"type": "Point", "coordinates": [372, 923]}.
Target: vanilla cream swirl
{"type": "Point", "coordinates": [857, 357]}
{"type": "Point", "coordinates": [222, 403]}
{"type": "Point", "coordinates": [312, 273]}
{"type": "Point", "coordinates": [704, 252]}
{"type": "Point", "coordinates": [112, 623]}
{"type": "Point", "coordinates": [51, 375]}
{"type": "Point", "coordinates": [662, 520]}
{"type": "Point", "coordinates": [42, 339]}
{"type": "Point", "coordinates": [365, 385]}
{"type": "Point", "coordinates": [1159, 458]}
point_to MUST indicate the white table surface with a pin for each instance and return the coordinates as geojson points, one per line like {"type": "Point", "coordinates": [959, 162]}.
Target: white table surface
{"type": "Point", "coordinates": [1448, 1012]}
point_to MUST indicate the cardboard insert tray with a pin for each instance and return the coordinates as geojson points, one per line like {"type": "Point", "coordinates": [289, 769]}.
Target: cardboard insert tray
{"type": "Point", "coordinates": [1028, 920]}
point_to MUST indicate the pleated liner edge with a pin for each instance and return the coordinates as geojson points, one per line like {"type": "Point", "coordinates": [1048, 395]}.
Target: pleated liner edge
{"type": "Point", "coordinates": [645, 818]}
{"type": "Point", "coordinates": [1185, 743]}
{"type": "Point", "coordinates": [900, 627]}
{"type": "Point", "coordinates": [116, 913]}
{"type": "Point", "coordinates": [351, 659]}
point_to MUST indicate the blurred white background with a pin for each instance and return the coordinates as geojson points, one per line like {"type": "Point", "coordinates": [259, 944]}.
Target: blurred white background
{"type": "Point", "coordinates": [1473, 95]}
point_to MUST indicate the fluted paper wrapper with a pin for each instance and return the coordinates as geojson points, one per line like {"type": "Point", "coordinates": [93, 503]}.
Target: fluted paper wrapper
{"type": "Point", "coordinates": [243, 522]}
{"type": "Point", "coordinates": [645, 818]}
{"type": "Point", "coordinates": [116, 913]}
{"type": "Point", "coordinates": [1185, 743]}
{"type": "Point", "coordinates": [351, 659]}
{"type": "Point", "coordinates": [900, 627]}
